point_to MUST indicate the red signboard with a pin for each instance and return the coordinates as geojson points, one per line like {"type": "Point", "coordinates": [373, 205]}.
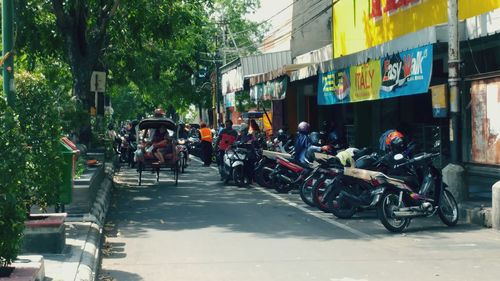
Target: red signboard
{"type": "Point", "coordinates": [390, 7]}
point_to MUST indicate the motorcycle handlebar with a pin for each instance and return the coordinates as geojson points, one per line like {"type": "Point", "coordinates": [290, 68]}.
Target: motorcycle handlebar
{"type": "Point", "coordinates": [417, 159]}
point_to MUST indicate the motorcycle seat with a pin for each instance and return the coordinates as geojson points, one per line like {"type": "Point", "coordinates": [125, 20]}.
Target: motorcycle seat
{"type": "Point", "coordinates": [408, 180]}
{"type": "Point", "coordinates": [303, 165]}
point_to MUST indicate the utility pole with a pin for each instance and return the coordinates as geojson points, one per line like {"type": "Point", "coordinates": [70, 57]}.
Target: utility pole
{"type": "Point", "coordinates": [454, 78]}
{"type": "Point", "coordinates": [215, 87]}
{"type": "Point", "coordinates": [8, 55]}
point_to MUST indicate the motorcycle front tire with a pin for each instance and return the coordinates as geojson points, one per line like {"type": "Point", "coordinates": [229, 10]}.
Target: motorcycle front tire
{"type": "Point", "coordinates": [451, 204]}
{"type": "Point", "coordinates": [239, 176]}
{"type": "Point", "coordinates": [306, 192]}
{"type": "Point", "coordinates": [262, 176]}
{"type": "Point", "coordinates": [388, 203]}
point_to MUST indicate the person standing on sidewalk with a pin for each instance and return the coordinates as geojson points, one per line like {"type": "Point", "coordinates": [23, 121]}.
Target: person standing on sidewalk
{"type": "Point", "coordinates": [206, 144]}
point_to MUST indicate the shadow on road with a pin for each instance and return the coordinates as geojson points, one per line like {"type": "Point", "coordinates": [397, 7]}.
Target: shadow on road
{"type": "Point", "coordinates": [201, 201]}
{"type": "Point", "coordinates": [115, 275]}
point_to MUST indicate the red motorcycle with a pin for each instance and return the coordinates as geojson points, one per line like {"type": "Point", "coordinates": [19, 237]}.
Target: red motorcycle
{"type": "Point", "coordinates": [289, 174]}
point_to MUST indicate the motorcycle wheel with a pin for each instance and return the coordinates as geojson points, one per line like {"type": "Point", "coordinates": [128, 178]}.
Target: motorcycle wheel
{"type": "Point", "coordinates": [262, 176]}
{"type": "Point", "coordinates": [317, 195]}
{"type": "Point", "coordinates": [123, 156]}
{"type": "Point", "coordinates": [385, 211]}
{"type": "Point", "coordinates": [306, 192]}
{"type": "Point", "coordinates": [239, 176]}
{"type": "Point", "coordinates": [340, 210]}
{"type": "Point", "coordinates": [183, 163]}
{"type": "Point", "coordinates": [448, 209]}
{"type": "Point", "coordinates": [281, 187]}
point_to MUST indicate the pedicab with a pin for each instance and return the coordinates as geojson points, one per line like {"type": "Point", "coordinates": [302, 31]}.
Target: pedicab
{"type": "Point", "coordinates": [146, 156]}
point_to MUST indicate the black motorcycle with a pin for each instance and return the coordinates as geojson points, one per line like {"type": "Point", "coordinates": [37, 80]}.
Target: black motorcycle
{"type": "Point", "coordinates": [409, 195]}
{"type": "Point", "coordinates": [348, 194]}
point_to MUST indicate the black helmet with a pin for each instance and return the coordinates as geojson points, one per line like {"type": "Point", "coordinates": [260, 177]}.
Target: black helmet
{"type": "Point", "coordinates": [397, 145]}
{"type": "Point", "coordinates": [315, 138]}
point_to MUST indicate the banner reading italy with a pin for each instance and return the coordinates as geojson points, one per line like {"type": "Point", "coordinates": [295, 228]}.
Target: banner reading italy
{"type": "Point", "coordinates": [365, 81]}
{"type": "Point", "coordinates": [334, 87]}
{"type": "Point", "coordinates": [407, 73]}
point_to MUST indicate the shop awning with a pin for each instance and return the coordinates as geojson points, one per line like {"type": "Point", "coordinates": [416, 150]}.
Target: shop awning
{"type": "Point", "coordinates": [316, 57]}
{"type": "Point", "coordinates": [276, 73]}
{"type": "Point", "coordinates": [264, 63]}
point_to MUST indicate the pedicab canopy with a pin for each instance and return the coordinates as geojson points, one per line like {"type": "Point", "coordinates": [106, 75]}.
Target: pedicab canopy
{"type": "Point", "coordinates": [156, 123]}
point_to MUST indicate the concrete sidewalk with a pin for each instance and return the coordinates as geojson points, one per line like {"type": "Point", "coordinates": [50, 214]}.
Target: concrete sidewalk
{"type": "Point", "coordinates": [80, 259]}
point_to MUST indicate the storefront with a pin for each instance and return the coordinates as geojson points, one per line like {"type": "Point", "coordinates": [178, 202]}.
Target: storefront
{"type": "Point", "coordinates": [239, 77]}
{"type": "Point", "coordinates": [376, 45]}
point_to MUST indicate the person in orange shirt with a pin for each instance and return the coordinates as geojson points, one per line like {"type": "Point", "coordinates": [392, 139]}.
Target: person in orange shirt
{"type": "Point", "coordinates": [206, 144]}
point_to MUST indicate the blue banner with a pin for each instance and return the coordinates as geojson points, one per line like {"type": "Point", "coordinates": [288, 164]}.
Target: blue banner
{"type": "Point", "coordinates": [334, 87]}
{"type": "Point", "coordinates": [406, 73]}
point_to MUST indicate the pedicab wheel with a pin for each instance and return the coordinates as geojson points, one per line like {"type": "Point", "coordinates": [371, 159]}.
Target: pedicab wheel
{"type": "Point", "coordinates": [176, 172]}
{"type": "Point", "coordinates": [183, 163]}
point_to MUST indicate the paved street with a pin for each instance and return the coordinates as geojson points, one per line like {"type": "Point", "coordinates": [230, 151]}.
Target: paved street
{"type": "Point", "coordinates": [205, 230]}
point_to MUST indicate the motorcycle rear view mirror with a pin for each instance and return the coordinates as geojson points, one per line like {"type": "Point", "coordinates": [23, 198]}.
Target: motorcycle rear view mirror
{"type": "Point", "coordinates": [398, 156]}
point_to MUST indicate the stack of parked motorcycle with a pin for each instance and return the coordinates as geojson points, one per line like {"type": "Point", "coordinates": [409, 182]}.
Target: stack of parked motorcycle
{"type": "Point", "coordinates": [398, 185]}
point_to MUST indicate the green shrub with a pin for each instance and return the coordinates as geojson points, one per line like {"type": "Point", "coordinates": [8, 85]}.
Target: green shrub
{"type": "Point", "coordinates": [40, 123]}
{"type": "Point", "coordinates": [12, 171]}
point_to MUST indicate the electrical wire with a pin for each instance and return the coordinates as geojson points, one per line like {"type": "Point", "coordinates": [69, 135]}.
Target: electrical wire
{"type": "Point", "coordinates": [288, 34]}
{"type": "Point", "coordinates": [285, 36]}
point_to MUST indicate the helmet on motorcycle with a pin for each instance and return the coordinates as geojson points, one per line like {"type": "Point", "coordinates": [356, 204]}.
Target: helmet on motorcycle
{"type": "Point", "coordinates": [397, 145]}
{"type": "Point", "coordinates": [391, 136]}
{"type": "Point", "coordinates": [315, 138]}
{"type": "Point", "coordinates": [304, 127]}
{"type": "Point", "coordinates": [159, 112]}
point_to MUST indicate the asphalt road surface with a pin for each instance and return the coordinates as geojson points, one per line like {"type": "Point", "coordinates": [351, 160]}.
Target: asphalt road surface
{"type": "Point", "coordinates": [204, 230]}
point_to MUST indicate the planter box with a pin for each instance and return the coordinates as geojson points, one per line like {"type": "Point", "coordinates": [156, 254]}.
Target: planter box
{"type": "Point", "coordinates": [44, 234]}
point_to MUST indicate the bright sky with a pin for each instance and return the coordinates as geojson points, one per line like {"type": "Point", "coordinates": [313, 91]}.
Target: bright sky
{"type": "Point", "coordinates": [269, 8]}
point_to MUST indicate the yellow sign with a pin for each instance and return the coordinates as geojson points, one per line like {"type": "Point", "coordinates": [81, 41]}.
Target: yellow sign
{"type": "Point", "coordinates": [365, 81]}
{"type": "Point", "coordinates": [359, 25]}
{"type": "Point", "coordinates": [439, 101]}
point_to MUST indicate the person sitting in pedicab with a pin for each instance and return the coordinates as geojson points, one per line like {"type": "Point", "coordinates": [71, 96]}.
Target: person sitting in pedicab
{"type": "Point", "coordinates": [161, 144]}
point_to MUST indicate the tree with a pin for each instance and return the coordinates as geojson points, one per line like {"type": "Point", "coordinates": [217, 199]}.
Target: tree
{"type": "Point", "coordinates": [155, 45]}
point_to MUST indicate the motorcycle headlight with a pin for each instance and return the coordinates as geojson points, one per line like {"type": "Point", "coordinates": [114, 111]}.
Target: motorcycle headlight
{"type": "Point", "coordinates": [181, 141]}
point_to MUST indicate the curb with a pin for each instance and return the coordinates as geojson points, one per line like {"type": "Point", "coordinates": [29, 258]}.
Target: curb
{"type": "Point", "coordinates": [89, 261]}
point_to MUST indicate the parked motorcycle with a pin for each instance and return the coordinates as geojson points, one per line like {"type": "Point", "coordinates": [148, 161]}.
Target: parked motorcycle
{"type": "Point", "coordinates": [127, 149]}
{"type": "Point", "coordinates": [289, 174]}
{"type": "Point", "coordinates": [233, 163]}
{"type": "Point", "coordinates": [348, 157]}
{"type": "Point", "coordinates": [283, 143]}
{"type": "Point", "coordinates": [182, 148]}
{"type": "Point", "coordinates": [263, 171]}
{"type": "Point", "coordinates": [320, 177]}
{"type": "Point", "coordinates": [406, 197]}
{"type": "Point", "coordinates": [348, 194]}
{"type": "Point", "coordinates": [194, 146]}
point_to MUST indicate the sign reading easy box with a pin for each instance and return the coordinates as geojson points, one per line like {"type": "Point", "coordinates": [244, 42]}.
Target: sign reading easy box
{"type": "Point", "coordinates": [405, 73]}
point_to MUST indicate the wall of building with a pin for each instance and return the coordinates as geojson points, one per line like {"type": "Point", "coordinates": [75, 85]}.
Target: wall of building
{"type": "Point", "coordinates": [311, 26]}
